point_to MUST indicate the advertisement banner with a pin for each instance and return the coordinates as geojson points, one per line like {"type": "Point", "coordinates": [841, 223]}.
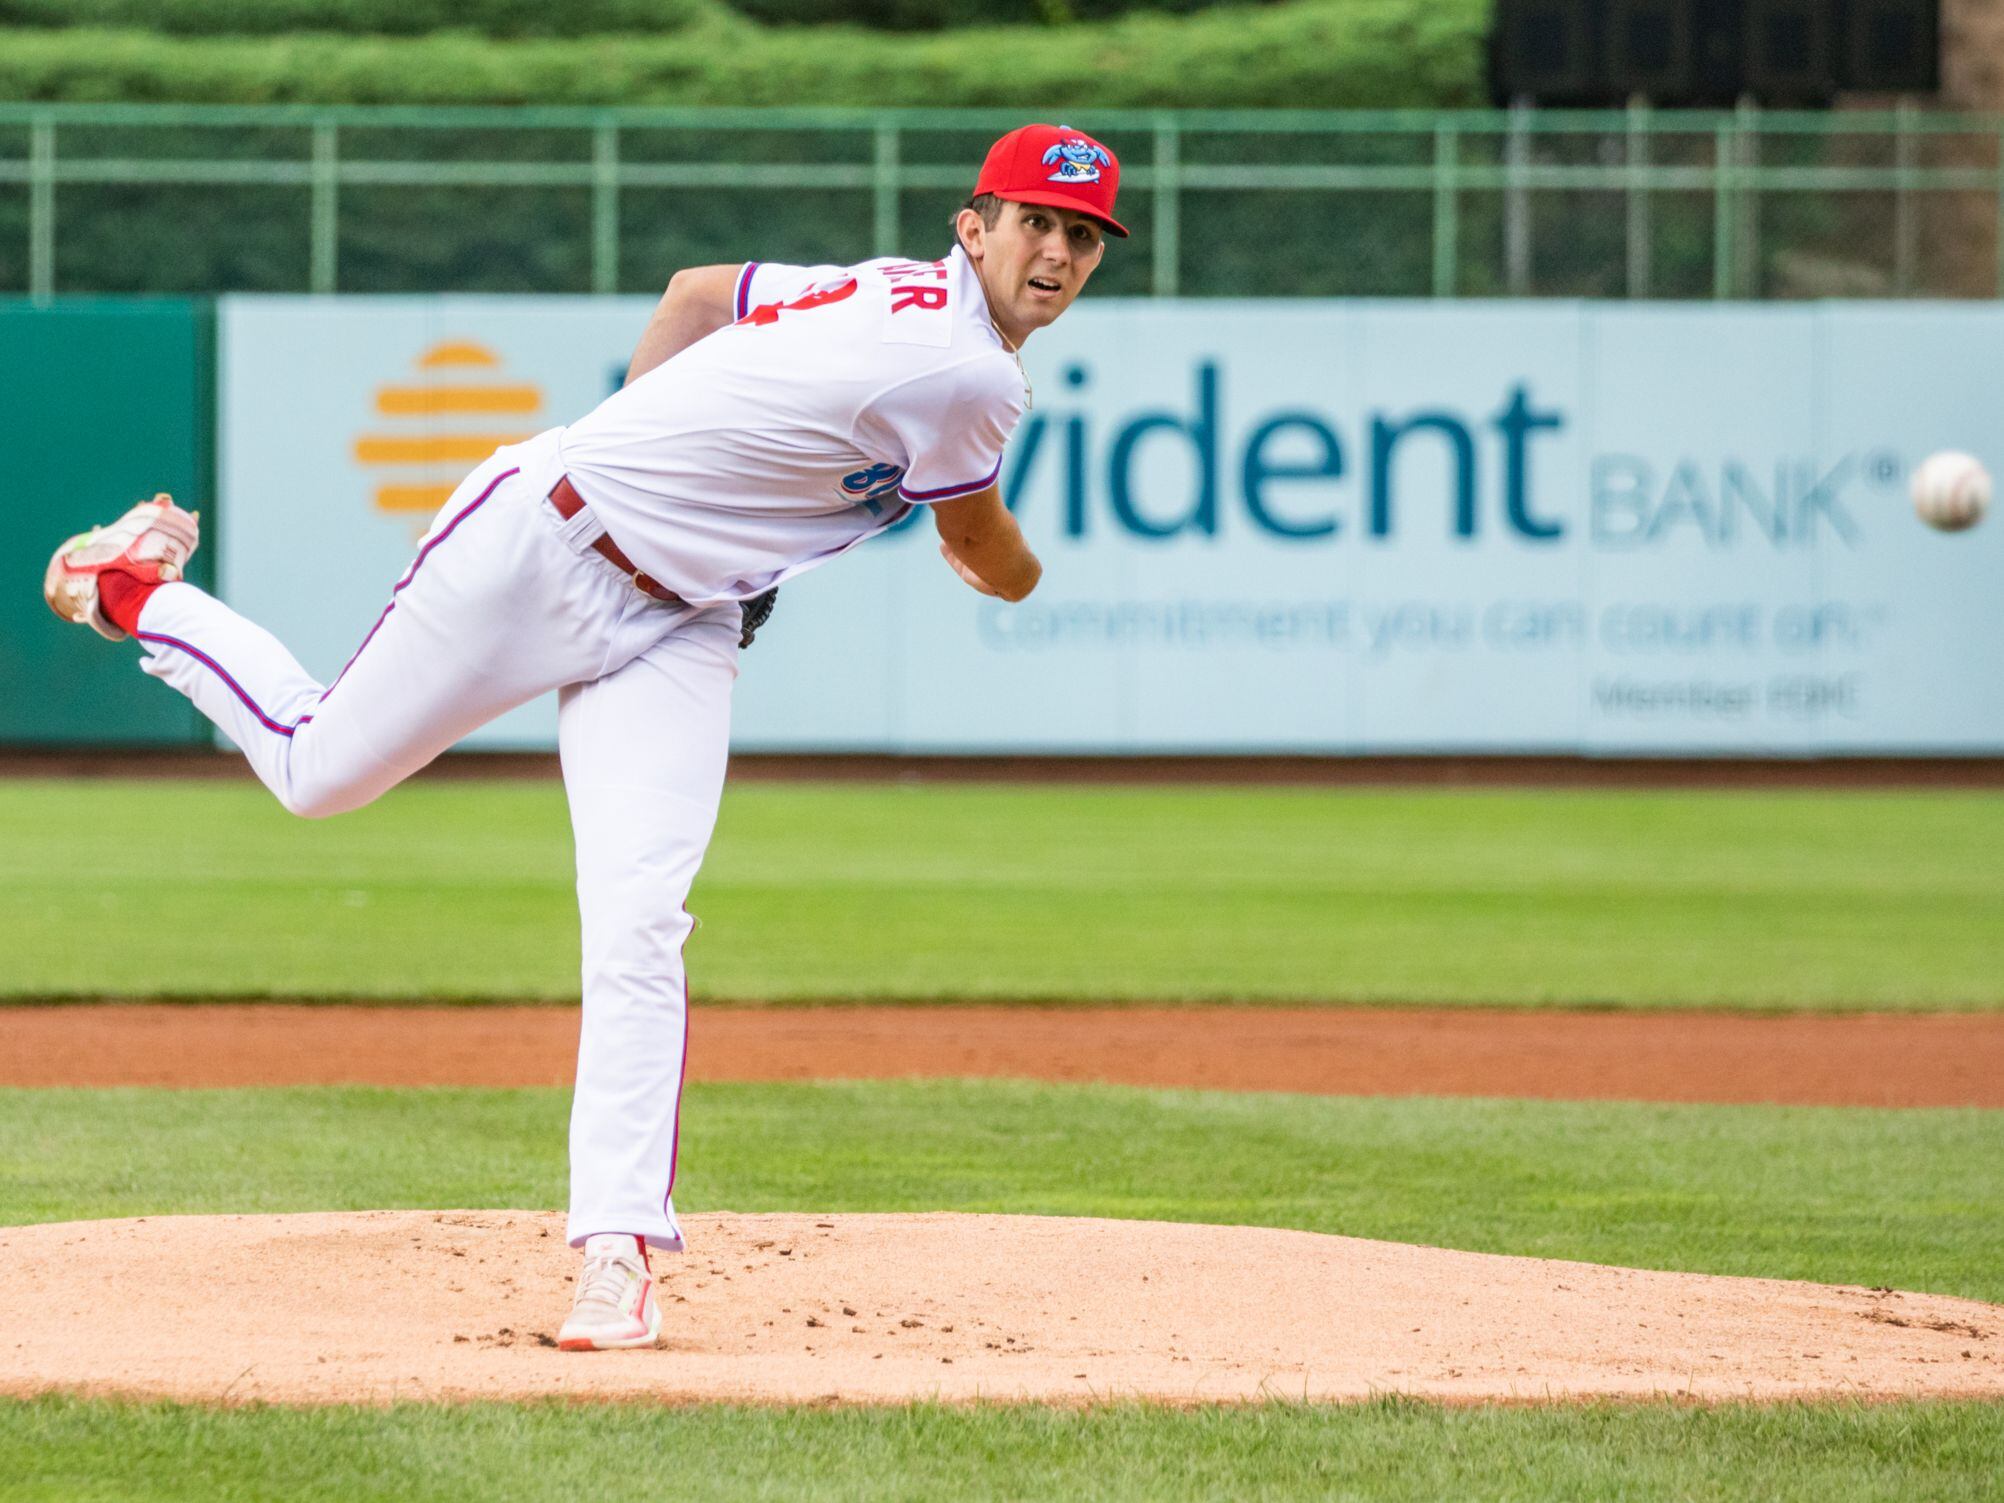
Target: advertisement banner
{"type": "Point", "coordinates": [1266, 526]}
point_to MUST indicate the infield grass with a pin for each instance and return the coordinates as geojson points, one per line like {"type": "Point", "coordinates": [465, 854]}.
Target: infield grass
{"type": "Point", "coordinates": [1388, 1450]}
{"type": "Point", "coordinates": [1911, 1198]}
{"type": "Point", "coordinates": [463, 890]}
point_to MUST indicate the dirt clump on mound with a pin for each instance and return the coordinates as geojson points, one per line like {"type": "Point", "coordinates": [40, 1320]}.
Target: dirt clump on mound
{"type": "Point", "coordinates": [378, 1306]}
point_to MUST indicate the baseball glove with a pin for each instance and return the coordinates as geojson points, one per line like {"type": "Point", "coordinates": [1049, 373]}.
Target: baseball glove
{"type": "Point", "coordinates": [757, 611]}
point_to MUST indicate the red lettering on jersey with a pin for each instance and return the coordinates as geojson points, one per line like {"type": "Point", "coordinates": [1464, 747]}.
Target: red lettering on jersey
{"type": "Point", "coordinates": [901, 270]}
{"type": "Point", "coordinates": [818, 297]}
{"type": "Point", "coordinates": [917, 297]}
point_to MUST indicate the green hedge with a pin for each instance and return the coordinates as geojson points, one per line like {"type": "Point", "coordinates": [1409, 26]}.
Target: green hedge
{"type": "Point", "coordinates": [257, 18]}
{"type": "Point", "coordinates": [520, 18]}
{"type": "Point", "coordinates": [1308, 53]}
{"type": "Point", "coordinates": [949, 15]}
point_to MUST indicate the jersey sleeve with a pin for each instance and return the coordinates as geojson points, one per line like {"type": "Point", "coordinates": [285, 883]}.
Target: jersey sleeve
{"type": "Point", "coordinates": [775, 282]}
{"type": "Point", "coordinates": [952, 425]}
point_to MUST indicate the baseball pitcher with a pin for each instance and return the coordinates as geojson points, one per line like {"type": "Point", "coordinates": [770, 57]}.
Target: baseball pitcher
{"type": "Point", "coordinates": [774, 417]}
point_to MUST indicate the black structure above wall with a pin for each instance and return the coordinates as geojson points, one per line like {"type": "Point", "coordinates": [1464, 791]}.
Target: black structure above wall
{"type": "Point", "coordinates": [1712, 52]}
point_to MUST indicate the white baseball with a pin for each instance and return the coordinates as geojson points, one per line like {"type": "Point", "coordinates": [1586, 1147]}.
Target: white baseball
{"type": "Point", "coordinates": [1951, 490]}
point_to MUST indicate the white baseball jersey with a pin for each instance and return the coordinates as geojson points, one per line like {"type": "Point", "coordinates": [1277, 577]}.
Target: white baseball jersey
{"type": "Point", "coordinates": [840, 398]}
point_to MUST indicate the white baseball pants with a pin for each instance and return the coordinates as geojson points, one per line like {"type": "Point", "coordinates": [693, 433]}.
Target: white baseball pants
{"type": "Point", "coordinates": [505, 601]}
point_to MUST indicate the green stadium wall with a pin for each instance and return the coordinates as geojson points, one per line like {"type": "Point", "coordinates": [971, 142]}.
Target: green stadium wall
{"type": "Point", "coordinates": [102, 403]}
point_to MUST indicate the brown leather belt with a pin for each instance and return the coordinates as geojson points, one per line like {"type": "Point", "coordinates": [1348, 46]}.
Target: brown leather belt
{"type": "Point", "coordinates": [565, 498]}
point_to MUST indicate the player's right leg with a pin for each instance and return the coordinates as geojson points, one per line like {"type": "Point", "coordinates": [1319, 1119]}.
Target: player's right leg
{"type": "Point", "coordinates": [644, 749]}
{"type": "Point", "coordinates": [494, 610]}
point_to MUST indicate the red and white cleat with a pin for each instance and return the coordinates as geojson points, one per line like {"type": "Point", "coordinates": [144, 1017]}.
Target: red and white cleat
{"type": "Point", "coordinates": [615, 1304]}
{"type": "Point", "coordinates": [151, 544]}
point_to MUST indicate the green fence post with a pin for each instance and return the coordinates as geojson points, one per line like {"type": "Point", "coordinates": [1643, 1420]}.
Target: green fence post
{"type": "Point", "coordinates": [1166, 252]}
{"type": "Point", "coordinates": [1723, 237]}
{"type": "Point", "coordinates": [1446, 209]}
{"type": "Point", "coordinates": [1903, 200]}
{"type": "Point", "coordinates": [324, 227]}
{"type": "Point", "coordinates": [884, 190]}
{"type": "Point", "coordinates": [1635, 166]}
{"type": "Point", "coordinates": [1747, 207]}
{"type": "Point", "coordinates": [605, 207]}
{"type": "Point", "coordinates": [2000, 212]}
{"type": "Point", "coordinates": [1517, 203]}
{"type": "Point", "coordinates": [42, 209]}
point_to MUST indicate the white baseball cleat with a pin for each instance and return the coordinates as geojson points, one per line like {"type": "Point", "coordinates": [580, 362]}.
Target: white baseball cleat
{"type": "Point", "coordinates": [152, 543]}
{"type": "Point", "coordinates": [615, 1304]}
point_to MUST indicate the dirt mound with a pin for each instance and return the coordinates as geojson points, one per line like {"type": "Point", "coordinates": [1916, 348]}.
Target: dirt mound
{"type": "Point", "coordinates": [381, 1305]}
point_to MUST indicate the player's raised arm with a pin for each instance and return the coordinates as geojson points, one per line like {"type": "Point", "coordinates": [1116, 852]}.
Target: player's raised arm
{"type": "Point", "coordinates": [699, 301]}
{"type": "Point", "coordinates": [985, 546]}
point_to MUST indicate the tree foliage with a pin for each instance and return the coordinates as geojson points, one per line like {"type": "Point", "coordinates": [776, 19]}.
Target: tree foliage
{"type": "Point", "coordinates": [1305, 53]}
{"type": "Point", "coordinates": [262, 18]}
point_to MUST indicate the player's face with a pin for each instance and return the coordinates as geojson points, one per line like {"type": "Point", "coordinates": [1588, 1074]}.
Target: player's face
{"type": "Point", "coordinates": [1032, 263]}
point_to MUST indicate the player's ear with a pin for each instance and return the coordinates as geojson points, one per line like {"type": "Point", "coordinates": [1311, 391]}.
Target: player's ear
{"type": "Point", "coordinates": [971, 232]}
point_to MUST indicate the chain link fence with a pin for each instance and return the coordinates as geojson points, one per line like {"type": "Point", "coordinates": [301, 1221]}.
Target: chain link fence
{"type": "Point", "coordinates": [172, 199]}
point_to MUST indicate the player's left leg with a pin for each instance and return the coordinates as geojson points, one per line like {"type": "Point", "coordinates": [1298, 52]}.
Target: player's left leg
{"type": "Point", "coordinates": [505, 600]}
{"type": "Point", "coordinates": [643, 752]}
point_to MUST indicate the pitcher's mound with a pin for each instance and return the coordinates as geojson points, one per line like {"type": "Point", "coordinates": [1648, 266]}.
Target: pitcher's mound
{"type": "Point", "coordinates": [383, 1305]}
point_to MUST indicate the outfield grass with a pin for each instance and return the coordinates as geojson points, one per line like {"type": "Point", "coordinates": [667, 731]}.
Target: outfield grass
{"type": "Point", "coordinates": [1391, 1450]}
{"type": "Point", "coordinates": [1857, 1196]}
{"type": "Point", "coordinates": [462, 890]}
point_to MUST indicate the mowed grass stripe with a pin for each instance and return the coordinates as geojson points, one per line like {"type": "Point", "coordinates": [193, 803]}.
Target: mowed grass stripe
{"type": "Point", "coordinates": [1396, 1451]}
{"type": "Point", "coordinates": [463, 890]}
{"type": "Point", "coordinates": [1907, 1198]}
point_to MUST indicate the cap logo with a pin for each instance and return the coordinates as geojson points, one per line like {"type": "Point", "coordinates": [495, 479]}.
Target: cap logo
{"type": "Point", "coordinates": [1078, 160]}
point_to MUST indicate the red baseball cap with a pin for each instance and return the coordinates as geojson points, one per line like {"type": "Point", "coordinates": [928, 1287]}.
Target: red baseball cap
{"type": "Point", "coordinates": [1056, 166]}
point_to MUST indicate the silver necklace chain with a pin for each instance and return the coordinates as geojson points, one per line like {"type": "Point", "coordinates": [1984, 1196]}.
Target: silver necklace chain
{"type": "Point", "coordinates": [1029, 396]}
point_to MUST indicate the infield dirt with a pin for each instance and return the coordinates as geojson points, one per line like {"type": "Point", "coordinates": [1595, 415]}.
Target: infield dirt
{"type": "Point", "coordinates": [398, 1305]}
{"type": "Point", "coordinates": [1869, 1060]}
